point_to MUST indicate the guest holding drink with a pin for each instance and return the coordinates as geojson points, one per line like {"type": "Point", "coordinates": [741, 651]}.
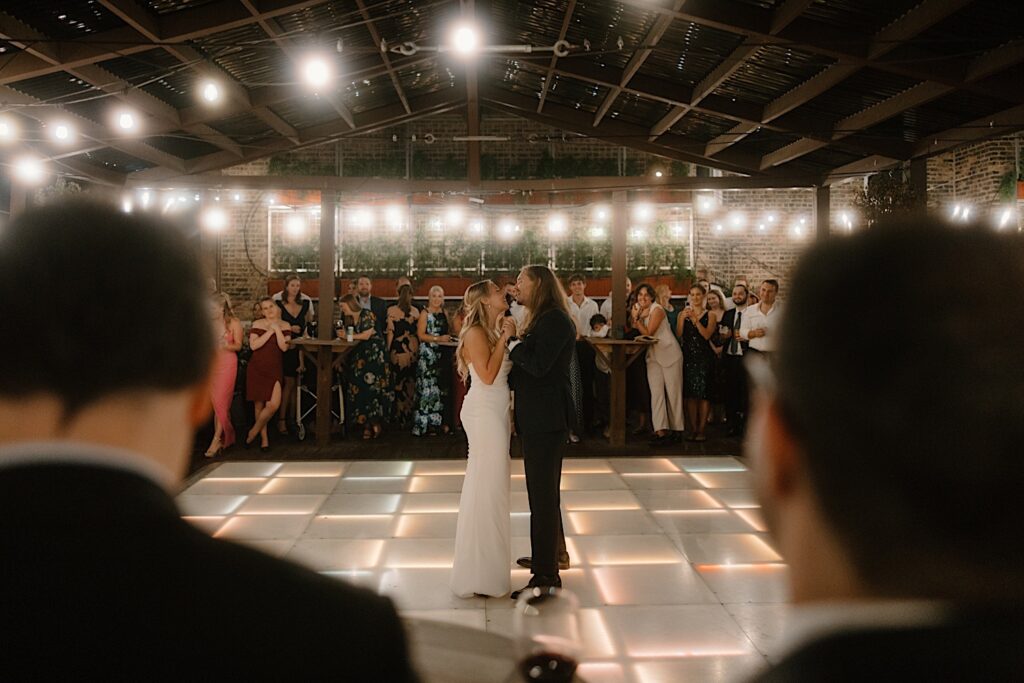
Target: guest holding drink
{"type": "Point", "coordinates": [716, 306]}
{"type": "Point", "coordinates": [403, 345]}
{"type": "Point", "coordinates": [664, 366]}
{"type": "Point", "coordinates": [228, 329]}
{"type": "Point", "coordinates": [367, 387]}
{"type": "Point", "coordinates": [695, 327]}
{"type": "Point", "coordinates": [297, 311]}
{"type": "Point", "coordinates": [268, 339]}
{"type": "Point", "coordinates": [665, 301]}
{"type": "Point", "coordinates": [430, 392]}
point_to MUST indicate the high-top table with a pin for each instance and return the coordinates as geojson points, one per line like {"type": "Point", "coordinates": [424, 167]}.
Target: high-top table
{"type": "Point", "coordinates": [322, 352]}
{"type": "Point", "coordinates": [619, 354]}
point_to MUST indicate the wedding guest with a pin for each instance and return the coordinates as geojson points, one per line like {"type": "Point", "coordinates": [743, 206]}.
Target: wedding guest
{"type": "Point", "coordinates": [297, 312]}
{"type": "Point", "coordinates": [460, 385]}
{"type": "Point", "coordinates": [709, 284]}
{"type": "Point", "coordinates": [374, 304]}
{"type": "Point", "coordinates": [664, 366]}
{"type": "Point", "coordinates": [403, 346]}
{"type": "Point", "coordinates": [431, 394]}
{"type": "Point", "coordinates": [760, 324]}
{"type": "Point", "coordinates": [716, 306]}
{"type": "Point", "coordinates": [228, 331]}
{"type": "Point", "coordinates": [664, 300]}
{"type": "Point", "coordinates": [606, 305]}
{"type": "Point", "coordinates": [268, 339]}
{"type": "Point", "coordinates": [734, 376]}
{"type": "Point", "coordinates": [753, 299]}
{"type": "Point", "coordinates": [367, 385]}
{"type": "Point", "coordinates": [582, 308]}
{"type": "Point", "coordinates": [638, 389]}
{"type": "Point", "coordinates": [696, 325]}
{"type": "Point", "coordinates": [599, 328]}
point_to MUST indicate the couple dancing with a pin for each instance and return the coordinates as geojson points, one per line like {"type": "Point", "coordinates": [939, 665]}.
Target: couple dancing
{"type": "Point", "coordinates": [536, 365]}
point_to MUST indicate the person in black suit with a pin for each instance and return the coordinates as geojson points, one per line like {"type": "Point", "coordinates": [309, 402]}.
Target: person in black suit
{"type": "Point", "coordinates": [379, 307]}
{"type": "Point", "coordinates": [890, 469]}
{"type": "Point", "coordinates": [734, 377]}
{"type": "Point", "coordinates": [544, 411]}
{"type": "Point", "coordinates": [102, 579]}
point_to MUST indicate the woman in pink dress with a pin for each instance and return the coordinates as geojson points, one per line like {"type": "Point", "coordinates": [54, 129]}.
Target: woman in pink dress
{"type": "Point", "coordinates": [228, 329]}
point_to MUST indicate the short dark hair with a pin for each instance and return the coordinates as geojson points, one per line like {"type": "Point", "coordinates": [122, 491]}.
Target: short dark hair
{"type": "Point", "coordinates": [913, 447]}
{"type": "Point", "coordinates": [771, 281]}
{"type": "Point", "coordinates": [598, 319]}
{"type": "Point", "coordinates": [577, 277]}
{"type": "Point", "coordinates": [740, 284]}
{"type": "Point", "coordinates": [71, 255]}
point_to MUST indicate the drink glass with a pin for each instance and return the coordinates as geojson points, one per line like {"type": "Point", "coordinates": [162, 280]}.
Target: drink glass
{"type": "Point", "coordinates": [547, 634]}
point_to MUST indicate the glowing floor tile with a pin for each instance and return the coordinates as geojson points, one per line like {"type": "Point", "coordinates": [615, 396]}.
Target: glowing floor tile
{"type": "Point", "coordinates": [281, 505]}
{"type": "Point", "coordinates": [677, 500]}
{"type": "Point", "coordinates": [622, 550]}
{"type": "Point", "coordinates": [748, 582]}
{"type": "Point", "coordinates": [360, 503]}
{"type": "Point", "coordinates": [264, 527]}
{"type": "Point", "coordinates": [311, 469]}
{"type": "Point", "coordinates": [737, 498]}
{"type": "Point", "coordinates": [656, 584]}
{"type": "Point", "coordinates": [753, 517]}
{"type": "Point", "coordinates": [597, 639]}
{"type": "Point", "coordinates": [727, 549]}
{"type": "Point", "coordinates": [203, 506]}
{"type": "Point", "coordinates": [439, 467]}
{"type": "Point", "coordinates": [519, 501]}
{"type": "Point", "coordinates": [372, 485]}
{"type": "Point", "coordinates": [321, 554]}
{"type": "Point", "coordinates": [470, 618]}
{"type": "Point", "coordinates": [647, 481]}
{"type": "Point", "coordinates": [612, 522]}
{"type": "Point", "coordinates": [437, 483]}
{"type": "Point", "coordinates": [710, 464]}
{"type": "Point", "coordinates": [426, 526]}
{"type": "Point", "coordinates": [591, 482]}
{"type": "Point", "coordinates": [247, 469]}
{"type": "Point", "coordinates": [351, 526]}
{"type": "Point", "coordinates": [517, 467]}
{"type": "Point", "coordinates": [429, 503]}
{"type": "Point", "coordinates": [208, 524]}
{"type": "Point", "coordinates": [585, 466]}
{"type": "Point", "coordinates": [398, 468]}
{"type": "Point", "coordinates": [424, 589]}
{"type": "Point", "coordinates": [707, 669]}
{"type": "Point", "coordinates": [419, 553]}
{"type": "Point", "coordinates": [642, 465]}
{"type": "Point", "coordinates": [678, 631]}
{"type": "Point", "coordinates": [277, 548]}
{"type": "Point", "coordinates": [723, 480]}
{"type": "Point", "coordinates": [599, 500]}
{"type": "Point", "coordinates": [365, 578]}
{"type": "Point", "coordinates": [765, 625]}
{"type": "Point", "coordinates": [601, 672]}
{"type": "Point", "coordinates": [299, 485]}
{"type": "Point", "coordinates": [701, 522]}
{"type": "Point", "coordinates": [226, 486]}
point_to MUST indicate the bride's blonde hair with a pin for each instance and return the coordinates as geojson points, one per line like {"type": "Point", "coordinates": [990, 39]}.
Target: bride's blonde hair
{"type": "Point", "coordinates": [474, 307]}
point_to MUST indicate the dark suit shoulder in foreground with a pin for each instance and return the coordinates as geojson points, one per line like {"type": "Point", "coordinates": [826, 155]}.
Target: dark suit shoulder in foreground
{"type": "Point", "coordinates": [103, 579]}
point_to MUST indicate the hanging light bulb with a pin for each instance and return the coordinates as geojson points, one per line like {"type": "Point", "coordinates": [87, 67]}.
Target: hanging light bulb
{"type": "Point", "coordinates": [465, 40]}
{"type": "Point", "coordinates": [316, 71]}
{"type": "Point", "coordinates": [8, 129]}
{"type": "Point", "coordinates": [62, 132]}
{"type": "Point", "coordinates": [210, 91]}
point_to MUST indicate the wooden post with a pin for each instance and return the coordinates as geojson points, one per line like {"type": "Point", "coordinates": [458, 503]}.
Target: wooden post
{"type": "Point", "coordinates": [325, 317]}
{"type": "Point", "coordinates": [822, 211]}
{"type": "Point", "coordinates": [617, 400]}
{"type": "Point", "coordinates": [919, 183]}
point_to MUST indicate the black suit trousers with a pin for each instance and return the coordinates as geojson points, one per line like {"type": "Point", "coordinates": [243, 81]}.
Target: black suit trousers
{"type": "Point", "coordinates": [585, 354]}
{"type": "Point", "coordinates": [542, 458]}
{"type": "Point", "coordinates": [736, 391]}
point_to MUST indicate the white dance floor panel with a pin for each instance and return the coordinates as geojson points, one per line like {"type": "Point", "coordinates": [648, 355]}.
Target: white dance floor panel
{"type": "Point", "coordinates": [676, 578]}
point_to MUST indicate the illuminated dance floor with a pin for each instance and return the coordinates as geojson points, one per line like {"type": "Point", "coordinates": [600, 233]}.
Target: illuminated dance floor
{"type": "Point", "coordinates": [675, 577]}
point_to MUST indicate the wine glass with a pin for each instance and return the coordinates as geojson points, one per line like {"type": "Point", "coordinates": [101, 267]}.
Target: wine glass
{"type": "Point", "coordinates": [547, 633]}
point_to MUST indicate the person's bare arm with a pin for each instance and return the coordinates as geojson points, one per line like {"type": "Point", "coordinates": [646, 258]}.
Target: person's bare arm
{"type": "Point", "coordinates": [258, 337]}
{"type": "Point", "coordinates": [706, 332]}
{"type": "Point", "coordinates": [236, 335]}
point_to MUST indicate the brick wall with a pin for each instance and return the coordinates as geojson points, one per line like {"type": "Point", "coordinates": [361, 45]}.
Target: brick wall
{"type": "Point", "coordinates": [971, 176]}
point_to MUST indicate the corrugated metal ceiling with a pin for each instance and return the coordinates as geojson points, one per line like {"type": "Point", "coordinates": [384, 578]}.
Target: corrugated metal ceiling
{"type": "Point", "coordinates": [864, 89]}
{"type": "Point", "coordinates": [688, 52]}
{"type": "Point", "coordinates": [63, 20]}
{"type": "Point", "coordinates": [115, 160]}
{"type": "Point", "coordinates": [701, 126]}
{"type": "Point", "coordinates": [859, 17]}
{"type": "Point", "coordinates": [771, 71]}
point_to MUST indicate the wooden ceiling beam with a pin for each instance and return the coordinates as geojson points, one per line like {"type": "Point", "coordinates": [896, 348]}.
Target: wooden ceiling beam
{"type": "Point", "coordinates": [546, 83]}
{"type": "Point", "coordinates": [375, 37]}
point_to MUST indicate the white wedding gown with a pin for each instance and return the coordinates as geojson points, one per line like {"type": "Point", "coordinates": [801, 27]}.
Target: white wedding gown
{"type": "Point", "coordinates": [483, 552]}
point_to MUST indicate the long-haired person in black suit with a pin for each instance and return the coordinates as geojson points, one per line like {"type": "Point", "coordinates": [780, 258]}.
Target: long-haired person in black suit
{"type": "Point", "coordinates": [102, 579]}
{"type": "Point", "coordinates": [890, 473]}
{"type": "Point", "coordinates": [544, 410]}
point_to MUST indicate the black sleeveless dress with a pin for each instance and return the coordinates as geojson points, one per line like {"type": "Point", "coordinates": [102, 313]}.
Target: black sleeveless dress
{"type": "Point", "coordinates": [290, 361]}
{"type": "Point", "coordinates": [698, 358]}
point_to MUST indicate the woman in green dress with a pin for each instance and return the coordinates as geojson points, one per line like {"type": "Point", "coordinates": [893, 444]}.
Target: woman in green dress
{"type": "Point", "coordinates": [367, 384]}
{"type": "Point", "coordinates": [430, 391]}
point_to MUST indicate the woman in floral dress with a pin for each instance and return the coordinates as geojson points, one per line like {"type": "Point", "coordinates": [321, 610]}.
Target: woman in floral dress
{"type": "Point", "coordinates": [367, 385]}
{"type": "Point", "coordinates": [403, 345]}
{"type": "Point", "coordinates": [430, 393]}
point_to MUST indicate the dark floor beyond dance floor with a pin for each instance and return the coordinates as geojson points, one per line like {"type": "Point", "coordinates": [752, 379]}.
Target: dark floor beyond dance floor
{"type": "Point", "coordinates": [402, 445]}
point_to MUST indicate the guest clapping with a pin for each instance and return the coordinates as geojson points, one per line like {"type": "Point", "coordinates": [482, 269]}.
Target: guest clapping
{"type": "Point", "coordinates": [696, 325]}
{"type": "Point", "coordinates": [403, 346]}
{"type": "Point", "coordinates": [297, 311]}
{"type": "Point", "coordinates": [228, 330]}
{"type": "Point", "coordinates": [430, 392]}
{"type": "Point", "coordinates": [367, 387]}
{"type": "Point", "coordinates": [664, 365]}
{"type": "Point", "coordinates": [268, 339]}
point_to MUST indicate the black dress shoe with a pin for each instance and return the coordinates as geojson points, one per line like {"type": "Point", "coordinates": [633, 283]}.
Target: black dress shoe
{"type": "Point", "coordinates": [538, 581]}
{"type": "Point", "coordinates": [264, 449]}
{"type": "Point", "coordinates": [527, 562]}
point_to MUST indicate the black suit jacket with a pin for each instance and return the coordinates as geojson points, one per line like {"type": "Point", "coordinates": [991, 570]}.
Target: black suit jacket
{"type": "Point", "coordinates": [380, 311]}
{"type": "Point", "coordinates": [540, 375]}
{"type": "Point", "coordinates": [102, 580]}
{"type": "Point", "coordinates": [978, 647]}
{"type": "Point", "coordinates": [729, 320]}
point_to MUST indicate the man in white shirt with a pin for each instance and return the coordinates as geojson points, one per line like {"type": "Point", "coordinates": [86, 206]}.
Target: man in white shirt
{"type": "Point", "coordinates": [889, 474]}
{"type": "Point", "coordinates": [759, 325]}
{"type": "Point", "coordinates": [582, 308]}
{"type": "Point", "coordinates": [606, 305]}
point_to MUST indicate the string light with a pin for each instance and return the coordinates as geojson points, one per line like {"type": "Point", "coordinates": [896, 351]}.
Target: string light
{"type": "Point", "coordinates": [295, 225]}
{"type": "Point", "coordinates": [556, 225]}
{"type": "Point", "coordinates": [215, 219]}
{"type": "Point", "coordinates": [29, 170]}
{"type": "Point", "coordinates": [601, 213]}
{"type": "Point", "coordinates": [126, 120]}
{"type": "Point", "coordinates": [454, 216]}
{"type": "Point", "coordinates": [465, 40]}
{"type": "Point", "coordinates": [477, 227]}
{"type": "Point", "coordinates": [62, 132]}
{"type": "Point", "coordinates": [8, 129]}
{"type": "Point", "coordinates": [316, 71]}
{"type": "Point", "coordinates": [598, 233]}
{"type": "Point", "coordinates": [1004, 218]}
{"type": "Point", "coordinates": [210, 92]}
{"type": "Point", "coordinates": [643, 212]}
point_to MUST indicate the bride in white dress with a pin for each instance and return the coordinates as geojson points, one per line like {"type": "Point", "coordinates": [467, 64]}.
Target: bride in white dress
{"type": "Point", "coordinates": [483, 554]}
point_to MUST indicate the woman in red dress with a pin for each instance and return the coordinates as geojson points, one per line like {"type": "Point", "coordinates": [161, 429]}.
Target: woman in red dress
{"type": "Point", "coordinates": [268, 340]}
{"type": "Point", "coordinates": [222, 386]}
